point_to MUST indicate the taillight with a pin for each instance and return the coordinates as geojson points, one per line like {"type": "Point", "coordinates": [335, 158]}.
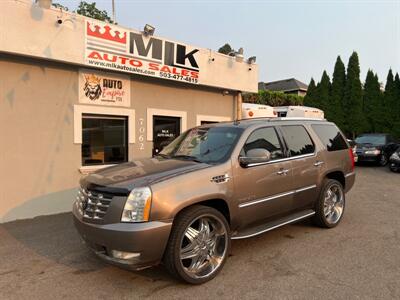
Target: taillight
{"type": "Point", "coordinates": [351, 158]}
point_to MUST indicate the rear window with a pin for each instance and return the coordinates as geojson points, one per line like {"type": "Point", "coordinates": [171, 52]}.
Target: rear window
{"type": "Point", "coordinates": [298, 140]}
{"type": "Point", "coordinates": [330, 136]}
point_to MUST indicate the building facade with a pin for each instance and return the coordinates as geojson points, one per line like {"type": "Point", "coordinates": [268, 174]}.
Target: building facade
{"type": "Point", "coordinates": [78, 95]}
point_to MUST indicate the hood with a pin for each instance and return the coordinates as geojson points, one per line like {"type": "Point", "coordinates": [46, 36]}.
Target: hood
{"type": "Point", "coordinates": [141, 172]}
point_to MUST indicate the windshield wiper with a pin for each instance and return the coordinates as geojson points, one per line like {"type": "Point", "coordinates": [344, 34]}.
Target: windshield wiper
{"type": "Point", "coordinates": [186, 157]}
{"type": "Point", "coordinates": [163, 155]}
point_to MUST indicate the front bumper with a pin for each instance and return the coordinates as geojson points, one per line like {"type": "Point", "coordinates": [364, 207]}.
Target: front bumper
{"type": "Point", "coordinates": [148, 239]}
{"type": "Point", "coordinates": [368, 157]}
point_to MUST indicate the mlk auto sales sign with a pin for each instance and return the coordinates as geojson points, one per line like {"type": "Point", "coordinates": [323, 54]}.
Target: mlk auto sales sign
{"type": "Point", "coordinates": [112, 47]}
{"type": "Point", "coordinates": [103, 88]}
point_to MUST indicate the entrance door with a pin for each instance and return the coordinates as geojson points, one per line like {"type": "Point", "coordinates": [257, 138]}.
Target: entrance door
{"type": "Point", "coordinates": [165, 130]}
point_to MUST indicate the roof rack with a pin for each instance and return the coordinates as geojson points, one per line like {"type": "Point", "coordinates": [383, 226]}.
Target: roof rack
{"type": "Point", "coordinates": [281, 119]}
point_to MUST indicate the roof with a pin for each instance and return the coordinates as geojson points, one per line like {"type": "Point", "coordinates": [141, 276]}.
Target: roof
{"type": "Point", "coordinates": [285, 85]}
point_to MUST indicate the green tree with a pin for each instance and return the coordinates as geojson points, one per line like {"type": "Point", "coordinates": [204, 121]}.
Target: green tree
{"type": "Point", "coordinates": [90, 10]}
{"type": "Point", "coordinates": [354, 119]}
{"type": "Point", "coordinates": [324, 93]}
{"type": "Point", "coordinates": [337, 93]}
{"type": "Point", "coordinates": [390, 102]}
{"type": "Point", "coordinates": [60, 6]}
{"type": "Point", "coordinates": [310, 96]}
{"type": "Point", "coordinates": [273, 98]}
{"type": "Point", "coordinates": [225, 49]}
{"type": "Point", "coordinates": [372, 103]}
{"type": "Point", "coordinates": [396, 127]}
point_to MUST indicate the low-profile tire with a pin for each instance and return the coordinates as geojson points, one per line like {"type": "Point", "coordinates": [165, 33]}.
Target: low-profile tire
{"type": "Point", "coordinates": [383, 160]}
{"type": "Point", "coordinates": [198, 245]}
{"type": "Point", "coordinates": [330, 205]}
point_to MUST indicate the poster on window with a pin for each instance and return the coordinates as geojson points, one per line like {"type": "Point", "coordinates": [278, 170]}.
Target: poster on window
{"type": "Point", "coordinates": [104, 89]}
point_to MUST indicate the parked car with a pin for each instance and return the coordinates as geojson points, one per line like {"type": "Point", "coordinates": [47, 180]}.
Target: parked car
{"type": "Point", "coordinates": [375, 147]}
{"type": "Point", "coordinates": [215, 183]}
{"type": "Point", "coordinates": [395, 161]}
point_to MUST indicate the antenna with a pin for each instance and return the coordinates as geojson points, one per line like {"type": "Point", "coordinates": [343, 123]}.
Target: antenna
{"type": "Point", "coordinates": [113, 11]}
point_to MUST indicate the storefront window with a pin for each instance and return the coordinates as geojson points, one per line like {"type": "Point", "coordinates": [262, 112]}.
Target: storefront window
{"type": "Point", "coordinates": [104, 140]}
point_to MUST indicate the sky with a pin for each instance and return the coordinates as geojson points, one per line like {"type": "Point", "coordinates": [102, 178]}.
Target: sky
{"type": "Point", "coordinates": [297, 39]}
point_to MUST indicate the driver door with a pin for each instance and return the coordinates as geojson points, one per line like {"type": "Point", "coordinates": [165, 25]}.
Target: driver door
{"type": "Point", "coordinates": [263, 190]}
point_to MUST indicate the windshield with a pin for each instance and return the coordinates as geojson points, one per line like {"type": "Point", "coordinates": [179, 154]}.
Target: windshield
{"type": "Point", "coordinates": [204, 144]}
{"type": "Point", "coordinates": [371, 139]}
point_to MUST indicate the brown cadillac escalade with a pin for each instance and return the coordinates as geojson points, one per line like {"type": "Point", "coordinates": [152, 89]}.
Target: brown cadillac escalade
{"type": "Point", "coordinates": [215, 183]}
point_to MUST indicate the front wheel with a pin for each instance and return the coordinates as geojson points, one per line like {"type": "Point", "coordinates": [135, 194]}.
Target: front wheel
{"type": "Point", "coordinates": [383, 160]}
{"type": "Point", "coordinates": [198, 245]}
{"type": "Point", "coordinates": [330, 205]}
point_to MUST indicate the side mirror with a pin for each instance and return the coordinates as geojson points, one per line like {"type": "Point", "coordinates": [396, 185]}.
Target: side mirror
{"type": "Point", "coordinates": [255, 156]}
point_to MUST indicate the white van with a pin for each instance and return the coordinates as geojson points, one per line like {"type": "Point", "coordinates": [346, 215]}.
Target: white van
{"type": "Point", "coordinates": [299, 111]}
{"type": "Point", "coordinates": [250, 110]}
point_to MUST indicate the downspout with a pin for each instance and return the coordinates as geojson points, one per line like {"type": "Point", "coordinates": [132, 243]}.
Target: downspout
{"type": "Point", "coordinates": [239, 101]}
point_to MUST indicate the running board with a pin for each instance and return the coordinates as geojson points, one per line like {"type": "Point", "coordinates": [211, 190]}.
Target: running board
{"type": "Point", "coordinates": [253, 231]}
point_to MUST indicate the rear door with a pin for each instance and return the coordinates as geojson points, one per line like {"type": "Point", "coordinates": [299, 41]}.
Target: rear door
{"type": "Point", "coordinates": [306, 164]}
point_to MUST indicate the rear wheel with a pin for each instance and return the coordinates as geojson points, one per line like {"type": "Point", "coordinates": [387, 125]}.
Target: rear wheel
{"type": "Point", "coordinates": [198, 246]}
{"type": "Point", "coordinates": [330, 205]}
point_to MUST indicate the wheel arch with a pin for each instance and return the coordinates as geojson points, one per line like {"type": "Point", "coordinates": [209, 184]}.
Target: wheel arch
{"type": "Point", "coordinates": [337, 175]}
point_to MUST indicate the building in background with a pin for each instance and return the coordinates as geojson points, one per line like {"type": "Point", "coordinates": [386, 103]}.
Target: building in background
{"type": "Point", "coordinates": [78, 94]}
{"type": "Point", "coordinates": [287, 86]}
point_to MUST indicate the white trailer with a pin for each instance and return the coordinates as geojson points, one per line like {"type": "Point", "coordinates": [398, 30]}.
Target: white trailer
{"type": "Point", "coordinates": [250, 110]}
{"type": "Point", "coordinates": [299, 111]}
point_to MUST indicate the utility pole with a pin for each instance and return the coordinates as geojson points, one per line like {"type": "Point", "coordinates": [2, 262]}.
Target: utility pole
{"type": "Point", "coordinates": [113, 11]}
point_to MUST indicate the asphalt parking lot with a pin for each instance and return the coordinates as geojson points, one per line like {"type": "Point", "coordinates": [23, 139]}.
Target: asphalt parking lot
{"type": "Point", "coordinates": [43, 258]}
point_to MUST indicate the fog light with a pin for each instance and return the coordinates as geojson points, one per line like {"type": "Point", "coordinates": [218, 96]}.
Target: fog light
{"type": "Point", "coordinates": [124, 255]}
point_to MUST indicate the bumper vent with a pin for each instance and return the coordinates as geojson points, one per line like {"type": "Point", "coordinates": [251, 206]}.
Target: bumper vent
{"type": "Point", "coordinates": [93, 205]}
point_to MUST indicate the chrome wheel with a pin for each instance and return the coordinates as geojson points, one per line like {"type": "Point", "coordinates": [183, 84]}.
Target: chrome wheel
{"type": "Point", "coordinates": [333, 203]}
{"type": "Point", "coordinates": [203, 246]}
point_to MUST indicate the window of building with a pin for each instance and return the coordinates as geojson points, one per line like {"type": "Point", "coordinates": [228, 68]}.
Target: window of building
{"type": "Point", "coordinates": [298, 140]}
{"type": "Point", "coordinates": [104, 139]}
{"type": "Point", "coordinates": [265, 138]}
{"type": "Point", "coordinates": [330, 137]}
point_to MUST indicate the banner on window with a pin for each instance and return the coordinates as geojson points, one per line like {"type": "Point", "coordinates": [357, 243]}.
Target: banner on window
{"type": "Point", "coordinates": [104, 89]}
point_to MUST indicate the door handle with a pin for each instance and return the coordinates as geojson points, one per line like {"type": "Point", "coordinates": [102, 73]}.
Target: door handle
{"type": "Point", "coordinates": [282, 172]}
{"type": "Point", "coordinates": [318, 163]}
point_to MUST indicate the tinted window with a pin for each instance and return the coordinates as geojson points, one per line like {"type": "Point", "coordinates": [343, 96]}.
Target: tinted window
{"type": "Point", "coordinates": [298, 140]}
{"type": "Point", "coordinates": [330, 137]}
{"type": "Point", "coordinates": [104, 140]}
{"type": "Point", "coordinates": [205, 144]}
{"type": "Point", "coordinates": [371, 139]}
{"type": "Point", "coordinates": [265, 138]}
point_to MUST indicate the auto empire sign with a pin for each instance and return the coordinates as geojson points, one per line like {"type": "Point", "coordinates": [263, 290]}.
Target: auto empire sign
{"type": "Point", "coordinates": [103, 88]}
{"type": "Point", "coordinates": [112, 47]}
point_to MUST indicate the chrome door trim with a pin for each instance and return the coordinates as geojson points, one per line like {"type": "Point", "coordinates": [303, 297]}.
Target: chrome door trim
{"type": "Point", "coordinates": [282, 159]}
{"type": "Point", "coordinates": [350, 174]}
{"type": "Point", "coordinates": [274, 227]}
{"type": "Point", "coordinates": [245, 204]}
{"type": "Point", "coordinates": [306, 188]}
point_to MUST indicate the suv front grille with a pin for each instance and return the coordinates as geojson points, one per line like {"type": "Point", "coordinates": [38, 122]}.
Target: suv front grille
{"type": "Point", "coordinates": [92, 204]}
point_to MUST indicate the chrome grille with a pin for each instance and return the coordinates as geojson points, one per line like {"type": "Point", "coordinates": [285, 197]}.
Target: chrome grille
{"type": "Point", "coordinates": [92, 204]}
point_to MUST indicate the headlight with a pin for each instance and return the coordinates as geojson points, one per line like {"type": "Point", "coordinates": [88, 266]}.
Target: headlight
{"type": "Point", "coordinates": [137, 206]}
{"type": "Point", "coordinates": [395, 156]}
{"type": "Point", "coordinates": [374, 152]}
